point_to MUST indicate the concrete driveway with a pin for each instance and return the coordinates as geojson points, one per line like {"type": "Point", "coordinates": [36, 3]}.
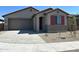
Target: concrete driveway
{"type": "Point", "coordinates": [16, 37]}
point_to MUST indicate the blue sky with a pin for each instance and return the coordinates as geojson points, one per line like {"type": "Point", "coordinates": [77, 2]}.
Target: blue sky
{"type": "Point", "coordinates": [8, 9]}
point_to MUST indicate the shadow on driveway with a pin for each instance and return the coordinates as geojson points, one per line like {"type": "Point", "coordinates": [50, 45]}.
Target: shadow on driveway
{"type": "Point", "coordinates": [27, 31]}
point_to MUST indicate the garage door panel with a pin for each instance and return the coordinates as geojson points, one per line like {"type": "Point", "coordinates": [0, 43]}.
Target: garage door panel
{"type": "Point", "coordinates": [20, 24]}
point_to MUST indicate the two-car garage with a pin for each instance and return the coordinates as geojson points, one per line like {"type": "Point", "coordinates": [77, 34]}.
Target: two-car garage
{"type": "Point", "coordinates": [20, 24]}
{"type": "Point", "coordinates": [20, 19]}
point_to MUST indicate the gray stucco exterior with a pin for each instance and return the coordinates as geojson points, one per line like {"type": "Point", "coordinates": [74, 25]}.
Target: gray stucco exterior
{"type": "Point", "coordinates": [47, 27]}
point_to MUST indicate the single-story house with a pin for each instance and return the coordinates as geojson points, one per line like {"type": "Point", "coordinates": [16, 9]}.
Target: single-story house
{"type": "Point", "coordinates": [48, 20]}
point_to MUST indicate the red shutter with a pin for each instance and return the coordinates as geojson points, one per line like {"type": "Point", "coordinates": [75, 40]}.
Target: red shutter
{"type": "Point", "coordinates": [52, 20]}
{"type": "Point", "coordinates": [62, 20]}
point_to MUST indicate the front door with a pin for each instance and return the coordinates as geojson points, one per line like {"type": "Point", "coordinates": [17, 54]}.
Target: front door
{"type": "Point", "coordinates": [40, 23]}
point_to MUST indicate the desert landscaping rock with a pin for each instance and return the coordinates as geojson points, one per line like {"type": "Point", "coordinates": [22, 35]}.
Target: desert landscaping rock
{"type": "Point", "coordinates": [59, 37]}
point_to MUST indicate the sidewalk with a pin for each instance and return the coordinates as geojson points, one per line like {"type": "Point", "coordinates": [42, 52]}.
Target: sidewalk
{"type": "Point", "coordinates": [46, 47]}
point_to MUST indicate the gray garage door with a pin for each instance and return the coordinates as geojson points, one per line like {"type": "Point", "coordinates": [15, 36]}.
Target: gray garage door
{"type": "Point", "coordinates": [18, 24]}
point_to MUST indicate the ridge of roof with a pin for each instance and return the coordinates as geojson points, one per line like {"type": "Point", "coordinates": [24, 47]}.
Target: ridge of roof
{"type": "Point", "coordinates": [46, 9]}
{"type": "Point", "coordinates": [19, 10]}
{"type": "Point", "coordinates": [60, 10]}
{"type": "Point", "coordinates": [43, 11]}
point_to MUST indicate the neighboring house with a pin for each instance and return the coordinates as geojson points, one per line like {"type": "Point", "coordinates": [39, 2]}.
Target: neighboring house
{"type": "Point", "coordinates": [48, 20]}
{"type": "Point", "coordinates": [1, 24]}
{"type": "Point", "coordinates": [1, 21]}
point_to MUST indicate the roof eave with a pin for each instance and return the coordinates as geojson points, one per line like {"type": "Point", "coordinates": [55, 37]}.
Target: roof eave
{"type": "Point", "coordinates": [18, 11]}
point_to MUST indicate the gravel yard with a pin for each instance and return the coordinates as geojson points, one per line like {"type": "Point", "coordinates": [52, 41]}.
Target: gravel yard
{"type": "Point", "coordinates": [59, 37]}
